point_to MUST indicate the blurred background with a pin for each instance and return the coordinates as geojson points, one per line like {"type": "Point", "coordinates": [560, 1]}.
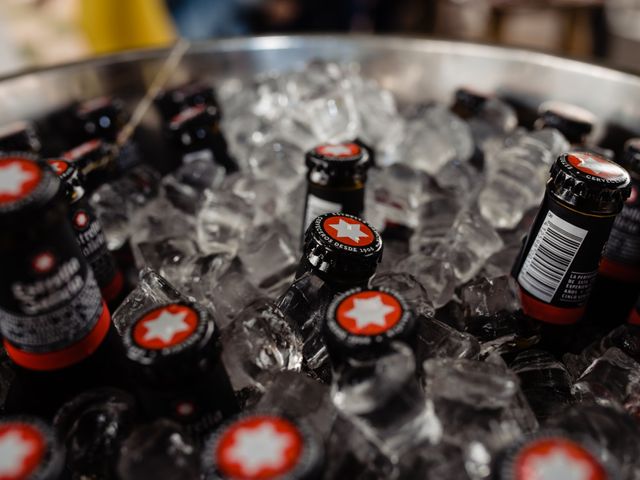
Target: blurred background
{"type": "Point", "coordinates": [44, 32]}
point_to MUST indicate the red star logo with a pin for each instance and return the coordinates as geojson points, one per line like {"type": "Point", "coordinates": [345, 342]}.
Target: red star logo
{"type": "Point", "coordinates": [59, 166]}
{"type": "Point", "coordinates": [18, 178]}
{"type": "Point", "coordinates": [341, 150]}
{"type": "Point", "coordinates": [22, 448]}
{"type": "Point", "coordinates": [348, 231]}
{"type": "Point", "coordinates": [43, 262]}
{"type": "Point", "coordinates": [81, 219]}
{"type": "Point", "coordinates": [557, 458]}
{"type": "Point", "coordinates": [165, 327]}
{"type": "Point", "coordinates": [596, 165]}
{"type": "Point", "coordinates": [369, 313]}
{"type": "Point", "coordinates": [259, 447]}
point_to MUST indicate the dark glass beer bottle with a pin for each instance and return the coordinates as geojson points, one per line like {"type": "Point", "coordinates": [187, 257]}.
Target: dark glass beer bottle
{"type": "Point", "coordinates": [174, 353]}
{"type": "Point", "coordinates": [172, 101]}
{"type": "Point", "coordinates": [20, 137]}
{"type": "Point", "coordinates": [90, 235]}
{"type": "Point", "coordinates": [336, 180]}
{"type": "Point", "coordinates": [196, 135]}
{"type": "Point", "coordinates": [55, 325]}
{"type": "Point", "coordinates": [95, 159]}
{"type": "Point", "coordinates": [559, 261]}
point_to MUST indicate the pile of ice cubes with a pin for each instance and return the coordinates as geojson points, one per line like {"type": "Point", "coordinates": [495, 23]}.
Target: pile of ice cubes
{"type": "Point", "coordinates": [233, 243]}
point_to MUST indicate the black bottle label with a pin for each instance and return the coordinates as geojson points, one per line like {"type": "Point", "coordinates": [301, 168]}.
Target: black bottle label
{"type": "Point", "coordinates": [93, 245]}
{"type": "Point", "coordinates": [559, 262]}
{"type": "Point", "coordinates": [621, 259]}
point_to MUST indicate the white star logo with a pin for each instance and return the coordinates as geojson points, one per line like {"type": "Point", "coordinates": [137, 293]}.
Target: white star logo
{"type": "Point", "coordinates": [348, 230]}
{"type": "Point", "coordinates": [44, 262]}
{"type": "Point", "coordinates": [596, 166]}
{"type": "Point", "coordinates": [13, 177]}
{"type": "Point", "coordinates": [166, 326]}
{"type": "Point", "coordinates": [557, 465]}
{"type": "Point", "coordinates": [13, 452]}
{"type": "Point", "coordinates": [259, 447]}
{"type": "Point", "coordinates": [337, 150]}
{"type": "Point", "coordinates": [369, 311]}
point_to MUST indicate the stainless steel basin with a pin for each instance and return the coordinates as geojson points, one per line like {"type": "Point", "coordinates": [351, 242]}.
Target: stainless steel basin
{"type": "Point", "coordinates": [415, 69]}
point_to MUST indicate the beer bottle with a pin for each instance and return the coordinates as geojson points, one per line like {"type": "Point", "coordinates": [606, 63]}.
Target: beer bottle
{"type": "Point", "coordinates": [340, 252]}
{"type": "Point", "coordinates": [104, 118]}
{"type": "Point", "coordinates": [369, 334]}
{"type": "Point", "coordinates": [555, 454]}
{"type": "Point", "coordinates": [19, 137]}
{"type": "Point", "coordinates": [95, 159]}
{"type": "Point", "coordinates": [90, 235]}
{"type": "Point", "coordinates": [29, 450]}
{"type": "Point", "coordinates": [559, 260]}
{"type": "Point", "coordinates": [196, 135]}
{"type": "Point", "coordinates": [263, 446]}
{"type": "Point", "coordinates": [336, 178]}
{"type": "Point", "coordinates": [619, 274]}
{"type": "Point", "coordinates": [174, 100]}
{"type": "Point", "coordinates": [174, 353]}
{"type": "Point", "coordinates": [56, 327]}
{"type": "Point", "coordinates": [575, 123]}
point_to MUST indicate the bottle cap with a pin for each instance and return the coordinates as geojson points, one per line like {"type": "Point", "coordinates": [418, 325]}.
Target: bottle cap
{"type": "Point", "coordinates": [360, 322]}
{"type": "Point", "coordinates": [29, 450]}
{"type": "Point", "coordinates": [589, 182]}
{"type": "Point", "coordinates": [555, 455]}
{"type": "Point", "coordinates": [19, 137]}
{"type": "Point", "coordinates": [343, 159]}
{"type": "Point", "coordinates": [172, 101]}
{"type": "Point", "coordinates": [572, 121]}
{"type": "Point", "coordinates": [168, 340]}
{"type": "Point", "coordinates": [631, 156]}
{"type": "Point", "coordinates": [101, 117]}
{"type": "Point", "coordinates": [470, 99]}
{"type": "Point", "coordinates": [262, 446]}
{"type": "Point", "coordinates": [342, 247]}
{"type": "Point", "coordinates": [25, 186]}
{"type": "Point", "coordinates": [90, 156]}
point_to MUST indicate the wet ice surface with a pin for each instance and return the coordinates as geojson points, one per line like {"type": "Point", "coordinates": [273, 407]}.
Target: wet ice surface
{"type": "Point", "coordinates": [233, 243]}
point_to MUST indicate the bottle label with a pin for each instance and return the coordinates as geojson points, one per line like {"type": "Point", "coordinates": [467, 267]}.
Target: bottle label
{"type": "Point", "coordinates": [93, 245]}
{"type": "Point", "coordinates": [282, 451]}
{"type": "Point", "coordinates": [316, 206]}
{"type": "Point", "coordinates": [622, 256]}
{"type": "Point", "coordinates": [560, 262]}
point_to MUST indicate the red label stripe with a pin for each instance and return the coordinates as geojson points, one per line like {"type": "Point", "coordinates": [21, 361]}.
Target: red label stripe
{"type": "Point", "coordinates": [545, 312]}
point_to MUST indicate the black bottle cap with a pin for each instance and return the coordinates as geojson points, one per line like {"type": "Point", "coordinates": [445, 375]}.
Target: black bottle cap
{"type": "Point", "coordinates": [471, 100]}
{"type": "Point", "coordinates": [262, 446]}
{"type": "Point", "coordinates": [361, 323]}
{"type": "Point", "coordinates": [170, 340]}
{"type": "Point", "coordinates": [101, 117]}
{"type": "Point", "coordinates": [26, 185]}
{"type": "Point", "coordinates": [19, 137]}
{"type": "Point", "coordinates": [91, 155]}
{"type": "Point", "coordinates": [193, 117]}
{"type": "Point", "coordinates": [590, 183]}
{"type": "Point", "coordinates": [343, 159]}
{"type": "Point", "coordinates": [572, 121]}
{"type": "Point", "coordinates": [549, 454]}
{"type": "Point", "coordinates": [29, 450]}
{"type": "Point", "coordinates": [343, 248]}
{"type": "Point", "coordinates": [631, 156]}
{"type": "Point", "coordinates": [172, 101]}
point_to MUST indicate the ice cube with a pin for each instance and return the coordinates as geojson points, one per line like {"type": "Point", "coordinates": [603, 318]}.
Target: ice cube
{"type": "Point", "coordinates": [437, 276]}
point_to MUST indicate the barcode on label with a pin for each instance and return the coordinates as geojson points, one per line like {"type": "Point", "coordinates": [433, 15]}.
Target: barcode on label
{"type": "Point", "coordinates": [550, 257]}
